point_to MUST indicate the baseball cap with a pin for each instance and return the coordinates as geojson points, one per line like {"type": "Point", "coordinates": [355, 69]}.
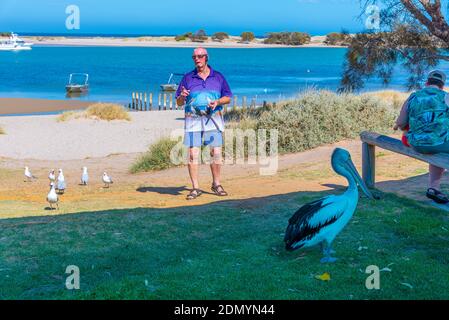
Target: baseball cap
{"type": "Point", "coordinates": [437, 75]}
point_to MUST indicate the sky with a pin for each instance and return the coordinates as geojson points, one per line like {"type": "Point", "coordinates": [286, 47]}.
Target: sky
{"type": "Point", "coordinates": [171, 17]}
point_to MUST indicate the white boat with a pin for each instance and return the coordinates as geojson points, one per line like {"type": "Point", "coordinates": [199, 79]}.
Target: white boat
{"type": "Point", "coordinates": [171, 84]}
{"type": "Point", "coordinates": [80, 86]}
{"type": "Point", "coordinates": [14, 43]}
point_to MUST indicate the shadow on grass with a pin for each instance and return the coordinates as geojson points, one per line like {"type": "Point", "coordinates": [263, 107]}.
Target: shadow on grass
{"type": "Point", "coordinates": [231, 249]}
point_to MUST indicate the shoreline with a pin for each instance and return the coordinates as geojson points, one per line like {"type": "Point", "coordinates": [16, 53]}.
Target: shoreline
{"type": "Point", "coordinates": [165, 42]}
{"type": "Point", "coordinates": [30, 106]}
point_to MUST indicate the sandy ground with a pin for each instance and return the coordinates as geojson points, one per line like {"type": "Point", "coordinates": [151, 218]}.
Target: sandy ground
{"type": "Point", "coordinates": [307, 172]}
{"type": "Point", "coordinates": [233, 42]}
{"type": "Point", "coordinates": [44, 138]}
{"type": "Point", "coordinates": [27, 106]}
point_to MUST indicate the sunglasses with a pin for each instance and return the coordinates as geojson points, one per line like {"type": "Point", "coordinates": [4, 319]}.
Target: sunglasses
{"type": "Point", "coordinates": [200, 56]}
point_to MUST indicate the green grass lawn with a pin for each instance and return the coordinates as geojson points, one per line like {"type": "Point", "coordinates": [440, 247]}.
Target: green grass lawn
{"type": "Point", "coordinates": [226, 250]}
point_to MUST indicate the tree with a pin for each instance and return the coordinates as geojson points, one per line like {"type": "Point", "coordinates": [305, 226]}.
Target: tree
{"type": "Point", "coordinates": [412, 33]}
{"type": "Point", "coordinates": [338, 39]}
{"type": "Point", "coordinates": [247, 36]}
{"type": "Point", "coordinates": [288, 38]}
{"type": "Point", "coordinates": [220, 36]}
{"type": "Point", "coordinates": [199, 36]}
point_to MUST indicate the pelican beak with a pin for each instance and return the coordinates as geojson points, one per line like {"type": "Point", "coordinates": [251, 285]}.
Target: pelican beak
{"type": "Point", "coordinates": [355, 174]}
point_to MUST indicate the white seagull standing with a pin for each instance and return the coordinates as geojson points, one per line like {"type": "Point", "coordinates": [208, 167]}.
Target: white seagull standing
{"type": "Point", "coordinates": [107, 180]}
{"type": "Point", "coordinates": [52, 196]}
{"type": "Point", "coordinates": [84, 177]}
{"type": "Point", "coordinates": [61, 182]}
{"type": "Point", "coordinates": [28, 175]}
{"type": "Point", "coordinates": [51, 176]}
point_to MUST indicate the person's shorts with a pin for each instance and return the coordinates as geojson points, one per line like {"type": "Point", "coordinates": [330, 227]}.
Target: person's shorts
{"type": "Point", "coordinates": [203, 138]}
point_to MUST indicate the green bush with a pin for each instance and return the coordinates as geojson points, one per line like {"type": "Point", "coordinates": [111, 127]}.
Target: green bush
{"type": "Point", "coordinates": [320, 117]}
{"type": "Point", "coordinates": [288, 38]}
{"type": "Point", "coordinates": [220, 36]}
{"type": "Point", "coordinates": [156, 158]}
{"type": "Point", "coordinates": [183, 37]}
{"type": "Point", "coordinates": [247, 36]}
{"type": "Point", "coordinates": [338, 39]}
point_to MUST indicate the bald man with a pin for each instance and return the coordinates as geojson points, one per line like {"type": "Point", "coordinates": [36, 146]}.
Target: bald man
{"type": "Point", "coordinates": [203, 92]}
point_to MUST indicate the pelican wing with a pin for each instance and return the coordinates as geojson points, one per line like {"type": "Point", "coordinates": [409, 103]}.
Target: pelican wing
{"type": "Point", "coordinates": [311, 218]}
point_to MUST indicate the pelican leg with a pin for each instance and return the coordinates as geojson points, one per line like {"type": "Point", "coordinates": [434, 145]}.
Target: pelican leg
{"type": "Point", "coordinates": [328, 252]}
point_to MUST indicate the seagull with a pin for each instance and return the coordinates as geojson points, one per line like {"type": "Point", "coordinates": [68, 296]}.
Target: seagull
{"type": "Point", "coordinates": [320, 221]}
{"type": "Point", "coordinates": [52, 197]}
{"type": "Point", "coordinates": [28, 175]}
{"type": "Point", "coordinates": [61, 182]}
{"type": "Point", "coordinates": [84, 177]}
{"type": "Point", "coordinates": [107, 180]}
{"type": "Point", "coordinates": [51, 176]}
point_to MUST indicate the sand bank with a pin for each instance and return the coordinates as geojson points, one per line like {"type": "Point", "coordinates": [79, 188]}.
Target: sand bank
{"type": "Point", "coordinates": [43, 138]}
{"type": "Point", "coordinates": [27, 106]}
{"type": "Point", "coordinates": [233, 42]}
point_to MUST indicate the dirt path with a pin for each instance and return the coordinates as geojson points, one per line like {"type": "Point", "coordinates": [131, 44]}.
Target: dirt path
{"type": "Point", "coordinates": [308, 171]}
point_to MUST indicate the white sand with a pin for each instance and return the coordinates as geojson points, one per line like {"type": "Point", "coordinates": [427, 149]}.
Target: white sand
{"type": "Point", "coordinates": [43, 138]}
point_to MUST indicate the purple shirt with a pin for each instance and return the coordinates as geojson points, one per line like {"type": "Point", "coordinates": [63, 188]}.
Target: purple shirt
{"type": "Point", "coordinates": [201, 93]}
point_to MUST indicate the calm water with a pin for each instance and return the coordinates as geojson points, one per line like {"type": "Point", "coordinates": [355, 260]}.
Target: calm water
{"type": "Point", "coordinates": [116, 72]}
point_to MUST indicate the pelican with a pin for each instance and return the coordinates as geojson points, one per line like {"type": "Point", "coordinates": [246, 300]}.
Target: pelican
{"type": "Point", "coordinates": [320, 221]}
{"type": "Point", "coordinates": [107, 180]}
{"type": "Point", "coordinates": [84, 177]}
{"type": "Point", "coordinates": [52, 197]}
{"type": "Point", "coordinates": [61, 182]}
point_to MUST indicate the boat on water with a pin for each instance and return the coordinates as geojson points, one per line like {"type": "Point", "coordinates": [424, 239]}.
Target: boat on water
{"type": "Point", "coordinates": [14, 43]}
{"type": "Point", "coordinates": [172, 83]}
{"type": "Point", "coordinates": [78, 83]}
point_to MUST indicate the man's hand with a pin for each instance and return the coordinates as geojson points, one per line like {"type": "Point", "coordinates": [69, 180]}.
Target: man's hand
{"type": "Point", "coordinates": [213, 104]}
{"type": "Point", "coordinates": [396, 127]}
{"type": "Point", "coordinates": [184, 92]}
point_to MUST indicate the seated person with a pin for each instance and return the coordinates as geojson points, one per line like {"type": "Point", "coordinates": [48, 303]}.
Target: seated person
{"type": "Point", "coordinates": [425, 115]}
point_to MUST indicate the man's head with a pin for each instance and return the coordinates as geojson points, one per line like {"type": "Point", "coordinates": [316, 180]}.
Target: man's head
{"type": "Point", "coordinates": [200, 57]}
{"type": "Point", "coordinates": [436, 78]}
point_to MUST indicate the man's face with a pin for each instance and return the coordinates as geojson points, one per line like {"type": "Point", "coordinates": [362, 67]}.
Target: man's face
{"type": "Point", "coordinates": [199, 58]}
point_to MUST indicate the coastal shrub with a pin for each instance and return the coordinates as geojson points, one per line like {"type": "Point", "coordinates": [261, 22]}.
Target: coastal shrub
{"type": "Point", "coordinates": [321, 117]}
{"type": "Point", "coordinates": [247, 36]}
{"type": "Point", "coordinates": [199, 36]}
{"type": "Point", "coordinates": [183, 37]}
{"type": "Point", "coordinates": [396, 98]}
{"type": "Point", "coordinates": [107, 111]}
{"type": "Point", "coordinates": [100, 111]}
{"type": "Point", "coordinates": [220, 36]}
{"type": "Point", "coordinates": [338, 39]}
{"type": "Point", "coordinates": [156, 158]}
{"type": "Point", "coordinates": [288, 38]}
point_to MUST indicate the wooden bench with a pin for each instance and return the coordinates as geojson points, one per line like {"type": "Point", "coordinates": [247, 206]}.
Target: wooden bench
{"type": "Point", "coordinates": [371, 140]}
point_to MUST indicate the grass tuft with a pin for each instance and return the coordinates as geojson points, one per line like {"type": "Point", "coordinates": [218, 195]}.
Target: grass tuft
{"type": "Point", "coordinates": [100, 111]}
{"type": "Point", "coordinates": [156, 158]}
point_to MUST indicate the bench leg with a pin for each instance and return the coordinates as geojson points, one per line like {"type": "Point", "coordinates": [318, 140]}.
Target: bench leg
{"type": "Point", "coordinates": [369, 164]}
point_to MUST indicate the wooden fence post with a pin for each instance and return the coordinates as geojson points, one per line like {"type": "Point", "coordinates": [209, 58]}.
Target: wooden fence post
{"type": "Point", "coordinates": [151, 102]}
{"type": "Point", "coordinates": [244, 103]}
{"type": "Point", "coordinates": [171, 101]}
{"type": "Point", "coordinates": [369, 164]}
{"type": "Point", "coordinates": [159, 101]}
{"type": "Point", "coordinates": [234, 104]}
{"type": "Point", "coordinates": [165, 101]}
{"type": "Point", "coordinates": [145, 99]}
{"type": "Point", "coordinates": [133, 100]}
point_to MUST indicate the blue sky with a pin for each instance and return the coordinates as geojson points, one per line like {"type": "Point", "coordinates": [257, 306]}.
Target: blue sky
{"type": "Point", "coordinates": [179, 16]}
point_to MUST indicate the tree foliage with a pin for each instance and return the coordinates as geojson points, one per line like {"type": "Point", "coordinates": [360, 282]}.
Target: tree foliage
{"type": "Point", "coordinates": [412, 33]}
{"type": "Point", "coordinates": [288, 38]}
{"type": "Point", "coordinates": [247, 36]}
{"type": "Point", "coordinates": [220, 36]}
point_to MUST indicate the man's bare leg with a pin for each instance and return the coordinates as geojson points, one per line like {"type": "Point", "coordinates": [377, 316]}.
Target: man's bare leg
{"type": "Point", "coordinates": [193, 166]}
{"type": "Point", "coordinates": [435, 175]}
{"type": "Point", "coordinates": [215, 166]}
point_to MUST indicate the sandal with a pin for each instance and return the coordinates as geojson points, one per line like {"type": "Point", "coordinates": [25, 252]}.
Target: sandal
{"type": "Point", "coordinates": [437, 196]}
{"type": "Point", "coordinates": [219, 190]}
{"type": "Point", "coordinates": [195, 193]}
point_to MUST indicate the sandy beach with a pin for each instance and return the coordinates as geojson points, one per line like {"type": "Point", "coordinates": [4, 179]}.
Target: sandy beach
{"type": "Point", "coordinates": [28, 106]}
{"type": "Point", "coordinates": [232, 42]}
{"type": "Point", "coordinates": [44, 138]}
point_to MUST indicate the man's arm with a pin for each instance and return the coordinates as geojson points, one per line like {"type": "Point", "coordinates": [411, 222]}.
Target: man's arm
{"type": "Point", "coordinates": [181, 93]}
{"type": "Point", "coordinates": [402, 120]}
